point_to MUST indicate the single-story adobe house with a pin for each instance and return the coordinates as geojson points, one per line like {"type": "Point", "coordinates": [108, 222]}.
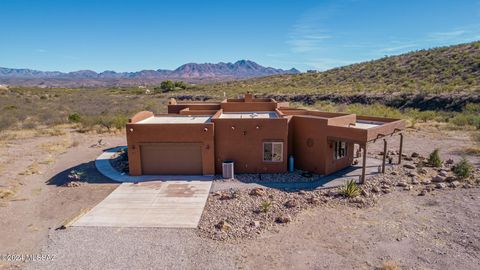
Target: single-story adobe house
{"type": "Point", "coordinates": [259, 135]}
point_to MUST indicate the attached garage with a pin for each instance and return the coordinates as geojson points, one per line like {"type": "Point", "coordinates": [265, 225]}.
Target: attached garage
{"type": "Point", "coordinates": [171, 158]}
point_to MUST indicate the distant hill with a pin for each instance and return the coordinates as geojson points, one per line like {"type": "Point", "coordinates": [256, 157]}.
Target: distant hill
{"type": "Point", "coordinates": [191, 72]}
{"type": "Point", "coordinates": [439, 70]}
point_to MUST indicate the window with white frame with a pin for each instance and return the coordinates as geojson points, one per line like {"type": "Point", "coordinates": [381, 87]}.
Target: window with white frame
{"type": "Point", "coordinates": [273, 151]}
{"type": "Point", "coordinates": [339, 150]}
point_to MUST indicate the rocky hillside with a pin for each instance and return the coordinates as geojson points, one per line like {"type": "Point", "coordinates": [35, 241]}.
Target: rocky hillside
{"type": "Point", "coordinates": [439, 70]}
{"type": "Point", "coordinates": [191, 72]}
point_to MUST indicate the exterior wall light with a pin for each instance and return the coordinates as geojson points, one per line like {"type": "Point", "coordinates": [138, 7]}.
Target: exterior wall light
{"type": "Point", "coordinates": [233, 128]}
{"type": "Point", "coordinates": [131, 129]}
{"type": "Point", "coordinates": [205, 129]}
{"type": "Point", "coordinates": [257, 127]}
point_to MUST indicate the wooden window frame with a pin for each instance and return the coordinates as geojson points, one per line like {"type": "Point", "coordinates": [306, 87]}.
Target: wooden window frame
{"type": "Point", "coordinates": [337, 145]}
{"type": "Point", "coordinates": [272, 143]}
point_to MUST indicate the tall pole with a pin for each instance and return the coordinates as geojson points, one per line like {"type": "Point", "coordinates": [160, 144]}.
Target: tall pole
{"type": "Point", "coordinates": [401, 149]}
{"type": "Point", "coordinates": [384, 155]}
{"type": "Point", "coordinates": [364, 162]}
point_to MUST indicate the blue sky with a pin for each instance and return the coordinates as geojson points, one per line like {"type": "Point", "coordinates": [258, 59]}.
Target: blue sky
{"type": "Point", "coordinates": [134, 35]}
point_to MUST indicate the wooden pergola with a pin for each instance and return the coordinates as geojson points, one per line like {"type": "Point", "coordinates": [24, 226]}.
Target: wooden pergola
{"type": "Point", "coordinates": [363, 146]}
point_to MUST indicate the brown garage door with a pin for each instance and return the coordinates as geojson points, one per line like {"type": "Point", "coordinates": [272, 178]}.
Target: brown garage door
{"type": "Point", "coordinates": [171, 158]}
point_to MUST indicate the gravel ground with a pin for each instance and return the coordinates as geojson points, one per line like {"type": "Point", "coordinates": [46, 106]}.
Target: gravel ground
{"type": "Point", "coordinates": [134, 248]}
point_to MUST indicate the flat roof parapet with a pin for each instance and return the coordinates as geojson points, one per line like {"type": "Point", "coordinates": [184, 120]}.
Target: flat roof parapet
{"type": "Point", "coordinates": [181, 119]}
{"type": "Point", "coordinates": [248, 115]}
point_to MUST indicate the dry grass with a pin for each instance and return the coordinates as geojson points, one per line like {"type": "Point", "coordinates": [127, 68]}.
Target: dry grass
{"type": "Point", "coordinates": [389, 265]}
{"type": "Point", "coordinates": [472, 151]}
{"type": "Point", "coordinates": [57, 146]}
{"type": "Point", "coordinates": [33, 168]}
{"type": "Point", "coordinates": [6, 193]}
{"type": "Point", "coordinates": [18, 134]}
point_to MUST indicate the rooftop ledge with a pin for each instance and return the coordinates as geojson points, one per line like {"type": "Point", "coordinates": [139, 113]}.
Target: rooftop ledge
{"type": "Point", "coordinates": [248, 115]}
{"type": "Point", "coordinates": [190, 119]}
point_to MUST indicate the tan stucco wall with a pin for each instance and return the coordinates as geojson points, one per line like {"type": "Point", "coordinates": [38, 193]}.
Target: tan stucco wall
{"type": "Point", "coordinates": [151, 133]}
{"type": "Point", "coordinates": [244, 143]}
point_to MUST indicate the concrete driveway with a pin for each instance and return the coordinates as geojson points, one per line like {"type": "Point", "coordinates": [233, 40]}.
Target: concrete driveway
{"type": "Point", "coordinates": [169, 204]}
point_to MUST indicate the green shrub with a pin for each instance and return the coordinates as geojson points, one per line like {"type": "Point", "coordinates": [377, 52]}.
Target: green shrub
{"type": "Point", "coordinates": [74, 118]}
{"type": "Point", "coordinates": [463, 168]}
{"type": "Point", "coordinates": [434, 159]}
{"type": "Point", "coordinates": [350, 189]}
{"type": "Point", "coordinates": [265, 206]}
{"type": "Point", "coordinates": [180, 85]}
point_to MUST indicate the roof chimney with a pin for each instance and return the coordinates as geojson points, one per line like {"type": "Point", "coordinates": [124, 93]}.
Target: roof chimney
{"type": "Point", "coordinates": [248, 97]}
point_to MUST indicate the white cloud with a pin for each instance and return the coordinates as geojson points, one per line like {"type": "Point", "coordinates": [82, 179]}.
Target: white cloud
{"type": "Point", "coordinates": [307, 34]}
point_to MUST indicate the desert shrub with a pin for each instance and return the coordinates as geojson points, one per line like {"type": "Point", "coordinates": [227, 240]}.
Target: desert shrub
{"type": "Point", "coordinates": [350, 189]}
{"type": "Point", "coordinates": [476, 136]}
{"type": "Point", "coordinates": [460, 120]}
{"type": "Point", "coordinates": [119, 121]}
{"type": "Point", "coordinates": [425, 116]}
{"type": "Point", "coordinates": [434, 159]}
{"type": "Point", "coordinates": [181, 85]}
{"type": "Point", "coordinates": [74, 118]}
{"type": "Point", "coordinates": [389, 265]}
{"type": "Point", "coordinates": [265, 206]}
{"type": "Point", "coordinates": [463, 168]}
{"type": "Point", "coordinates": [106, 121]}
{"type": "Point", "coordinates": [6, 122]}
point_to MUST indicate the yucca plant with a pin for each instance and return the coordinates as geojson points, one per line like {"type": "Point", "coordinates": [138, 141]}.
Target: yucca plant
{"type": "Point", "coordinates": [350, 189]}
{"type": "Point", "coordinates": [434, 159]}
{"type": "Point", "coordinates": [265, 206]}
{"type": "Point", "coordinates": [463, 168]}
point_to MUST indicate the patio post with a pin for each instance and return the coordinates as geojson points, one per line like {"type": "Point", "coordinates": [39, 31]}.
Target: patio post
{"type": "Point", "coordinates": [401, 148]}
{"type": "Point", "coordinates": [384, 155]}
{"type": "Point", "coordinates": [364, 162]}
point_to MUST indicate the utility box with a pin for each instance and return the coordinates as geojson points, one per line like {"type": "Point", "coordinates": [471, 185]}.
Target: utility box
{"type": "Point", "coordinates": [227, 169]}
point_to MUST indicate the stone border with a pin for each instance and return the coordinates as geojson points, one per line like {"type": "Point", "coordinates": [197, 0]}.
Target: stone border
{"type": "Point", "coordinates": [103, 165]}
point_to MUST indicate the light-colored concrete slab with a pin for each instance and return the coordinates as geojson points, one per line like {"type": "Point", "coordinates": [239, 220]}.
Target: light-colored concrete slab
{"type": "Point", "coordinates": [172, 204]}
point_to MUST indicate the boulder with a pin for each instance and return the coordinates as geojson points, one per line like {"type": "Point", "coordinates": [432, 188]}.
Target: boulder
{"type": "Point", "coordinates": [415, 181]}
{"type": "Point", "coordinates": [422, 193]}
{"type": "Point", "coordinates": [291, 203]}
{"type": "Point", "coordinates": [450, 178]}
{"type": "Point", "coordinates": [412, 174]}
{"type": "Point", "coordinates": [449, 161]}
{"type": "Point", "coordinates": [438, 179]}
{"type": "Point", "coordinates": [455, 184]}
{"type": "Point", "coordinates": [255, 224]}
{"type": "Point", "coordinates": [257, 191]}
{"type": "Point", "coordinates": [283, 219]}
{"type": "Point", "coordinates": [313, 200]}
{"type": "Point", "coordinates": [224, 197]}
{"type": "Point", "coordinates": [375, 189]}
{"type": "Point", "coordinates": [426, 181]}
{"type": "Point", "coordinates": [407, 158]}
{"type": "Point", "coordinates": [358, 200]}
{"type": "Point", "coordinates": [407, 188]}
{"type": "Point", "coordinates": [443, 173]}
{"type": "Point", "coordinates": [423, 171]}
{"type": "Point", "coordinates": [467, 185]}
{"type": "Point", "coordinates": [402, 184]}
{"type": "Point", "coordinates": [223, 226]}
{"type": "Point", "coordinates": [440, 185]}
{"type": "Point", "coordinates": [415, 154]}
{"type": "Point", "coordinates": [409, 166]}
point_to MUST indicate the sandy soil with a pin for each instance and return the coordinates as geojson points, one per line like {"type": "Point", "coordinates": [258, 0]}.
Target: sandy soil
{"type": "Point", "coordinates": [36, 168]}
{"type": "Point", "coordinates": [433, 232]}
{"type": "Point", "coordinates": [436, 231]}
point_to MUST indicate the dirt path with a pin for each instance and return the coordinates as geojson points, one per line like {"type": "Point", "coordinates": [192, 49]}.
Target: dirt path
{"type": "Point", "coordinates": [35, 168]}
